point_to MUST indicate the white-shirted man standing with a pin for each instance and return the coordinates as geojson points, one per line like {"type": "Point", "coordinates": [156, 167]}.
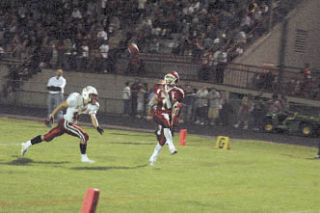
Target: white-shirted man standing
{"type": "Point", "coordinates": [55, 88]}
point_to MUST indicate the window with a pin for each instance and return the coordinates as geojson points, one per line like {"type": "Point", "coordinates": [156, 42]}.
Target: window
{"type": "Point", "coordinates": [301, 41]}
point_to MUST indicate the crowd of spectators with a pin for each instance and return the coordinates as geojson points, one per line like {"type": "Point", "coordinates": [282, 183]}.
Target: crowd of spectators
{"type": "Point", "coordinates": [90, 35]}
{"type": "Point", "coordinates": [79, 34]}
{"type": "Point", "coordinates": [299, 83]}
{"type": "Point", "coordinates": [208, 106]}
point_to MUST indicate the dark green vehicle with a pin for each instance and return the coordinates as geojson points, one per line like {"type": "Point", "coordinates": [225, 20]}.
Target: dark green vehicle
{"type": "Point", "coordinates": [292, 122]}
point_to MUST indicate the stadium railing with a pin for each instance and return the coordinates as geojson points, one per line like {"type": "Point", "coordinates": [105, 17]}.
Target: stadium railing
{"type": "Point", "coordinates": [37, 99]}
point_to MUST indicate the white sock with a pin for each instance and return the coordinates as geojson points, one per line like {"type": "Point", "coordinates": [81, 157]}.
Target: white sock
{"type": "Point", "coordinates": [159, 130]}
{"type": "Point", "coordinates": [84, 156]}
{"type": "Point", "coordinates": [28, 144]}
{"type": "Point", "coordinates": [168, 135]}
{"type": "Point", "coordinates": [156, 152]}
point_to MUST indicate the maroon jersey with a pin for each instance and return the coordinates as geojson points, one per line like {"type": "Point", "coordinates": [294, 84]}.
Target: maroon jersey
{"type": "Point", "coordinates": [168, 97]}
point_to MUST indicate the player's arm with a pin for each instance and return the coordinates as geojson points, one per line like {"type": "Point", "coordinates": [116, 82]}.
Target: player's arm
{"type": "Point", "coordinates": [175, 111]}
{"type": "Point", "coordinates": [151, 105]}
{"type": "Point", "coordinates": [92, 112]}
{"type": "Point", "coordinates": [64, 82]}
{"type": "Point", "coordinates": [165, 94]}
{"type": "Point", "coordinates": [58, 108]}
{"type": "Point", "coordinates": [94, 120]}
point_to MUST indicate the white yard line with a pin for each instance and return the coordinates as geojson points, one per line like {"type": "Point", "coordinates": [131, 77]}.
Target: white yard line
{"type": "Point", "coordinates": [9, 144]}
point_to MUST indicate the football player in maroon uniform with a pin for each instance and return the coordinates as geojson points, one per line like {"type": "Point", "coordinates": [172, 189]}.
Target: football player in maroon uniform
{"type": "Point", "coordinates": [166, 107]}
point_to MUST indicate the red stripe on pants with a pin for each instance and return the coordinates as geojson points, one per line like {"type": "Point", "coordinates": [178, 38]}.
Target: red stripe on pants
{"type": "Point", "coordinates": [60, 130]}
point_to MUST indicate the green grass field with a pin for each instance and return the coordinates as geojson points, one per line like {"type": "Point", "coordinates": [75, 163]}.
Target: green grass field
{"type": "Point", "coordinates": [254, 176]}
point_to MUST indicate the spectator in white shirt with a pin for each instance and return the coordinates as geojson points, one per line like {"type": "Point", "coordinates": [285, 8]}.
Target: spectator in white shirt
{"type": "Point", "coordinates": [104, 50]}
{"type": "Point", "coordinates": [215, 101]}
{"type": "Point", "coordinates": [221, 59]}
{"type": "Point", "coordinates": [76, 14]}
{"type": "Point", "coordinates": [55, 88]}
{"type": "Point", "coordinates": [83, 59]}
{"type": "Point", "coordinates": [142, 7]}
{"type": "Point", "coordinates": [126, 96]}
{"type": "Point", "coordinates": [140, 99]}
{"type": "Point", "coordinates": [201, 106]}
{"type": "Point", "coordinates": [102, 35]}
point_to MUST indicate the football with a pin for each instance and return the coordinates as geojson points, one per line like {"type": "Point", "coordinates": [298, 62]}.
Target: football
{"type": "Point", "coordinates": [133, 48]}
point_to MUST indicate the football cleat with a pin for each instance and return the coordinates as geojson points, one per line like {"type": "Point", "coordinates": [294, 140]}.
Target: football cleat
{"type": "Point", "coordinates": [152, 162]}
{"type": "Point", "coordinates": [87, 160]}
{"type": "Point", "coordinates": [24, 148]}
{"type": "Point", "coordinates": [174, 152]}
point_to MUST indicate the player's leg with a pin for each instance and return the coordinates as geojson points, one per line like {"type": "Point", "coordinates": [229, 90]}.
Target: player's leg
{"type": "Point", "coordinates": [318, 156]}
{"type": "Point", "coordinates": [56, 131]}
{"type": "Point", "coordinates": [164, 135]}
{"type": "Point", "coordinates": [169, 139]}
{"type": "Point", "coordinates": [157, 149]}
{"type": "Point", "coordinates": [155, 154]}
{"type": "Point", "coordinates": [76, 131]}
{"type": "Point", "coordinates": [164, 120]}
{"type": "Point", "coordinates": [25, 146]}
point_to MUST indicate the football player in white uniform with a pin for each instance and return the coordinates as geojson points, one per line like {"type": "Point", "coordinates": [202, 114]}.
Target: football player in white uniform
{"type": "Point", "coordinates": [76, 104]}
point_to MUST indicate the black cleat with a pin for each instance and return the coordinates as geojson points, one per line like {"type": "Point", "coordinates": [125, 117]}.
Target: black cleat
{"type": "Point", "coordinates": [174, 152]}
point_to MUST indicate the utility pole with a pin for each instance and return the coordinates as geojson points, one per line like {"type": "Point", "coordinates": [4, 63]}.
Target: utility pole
{"type": "Point", "coordinates": [99, 9]}
{"type": "Point", "coordinates": [282, 51]}
{"type": "Point", "coordinates": [270, 15]}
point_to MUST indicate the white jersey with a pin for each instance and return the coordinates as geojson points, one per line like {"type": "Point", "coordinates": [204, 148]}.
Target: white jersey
{"type": "Point", "coordinates": [77, 107]}
{"type": "Point", "coordinates": [60, 82]}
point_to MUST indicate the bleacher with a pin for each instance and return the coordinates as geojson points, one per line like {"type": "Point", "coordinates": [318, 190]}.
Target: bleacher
{"type": "Point", "coordinates": [237, 79]}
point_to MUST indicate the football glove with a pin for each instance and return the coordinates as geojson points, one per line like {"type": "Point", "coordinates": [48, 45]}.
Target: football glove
{"type": "Point", "coordinates": [49, 121]}
{"type": "Point", "coordinates": [100, 130]}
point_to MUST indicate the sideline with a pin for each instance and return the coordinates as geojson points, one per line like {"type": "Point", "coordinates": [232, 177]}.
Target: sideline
{"type": "Point", "coordinates": [105, 126]}
{"type": "Point", "coordinates": [233, 134]}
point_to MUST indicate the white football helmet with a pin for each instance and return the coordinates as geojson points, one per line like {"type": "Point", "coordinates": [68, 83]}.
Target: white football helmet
{"type": "Point", "coordinates": [171, 78]}
{"type": "Point", "coordinates": [87, 91]}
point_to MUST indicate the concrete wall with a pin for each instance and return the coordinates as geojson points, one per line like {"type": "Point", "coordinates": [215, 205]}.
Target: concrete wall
{"type": "Point", "coordinates": [109, 86]}
{"type": "Point", "coordinates": [4, 71]}
{"type": "Point", "coordinates": [306, 16]}
{"type": "Point", "coordinates": [159, 66]}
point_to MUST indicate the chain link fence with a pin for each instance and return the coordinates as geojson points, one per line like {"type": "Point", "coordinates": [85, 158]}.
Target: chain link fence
{"type": "Point", "coordinates": [198, 109]}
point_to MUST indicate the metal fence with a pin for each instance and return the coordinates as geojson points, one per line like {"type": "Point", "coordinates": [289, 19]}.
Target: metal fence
{"type": "Point", "coordinates": [288, 82]}
{"type": "Point", "coordinates": [196, 110]}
